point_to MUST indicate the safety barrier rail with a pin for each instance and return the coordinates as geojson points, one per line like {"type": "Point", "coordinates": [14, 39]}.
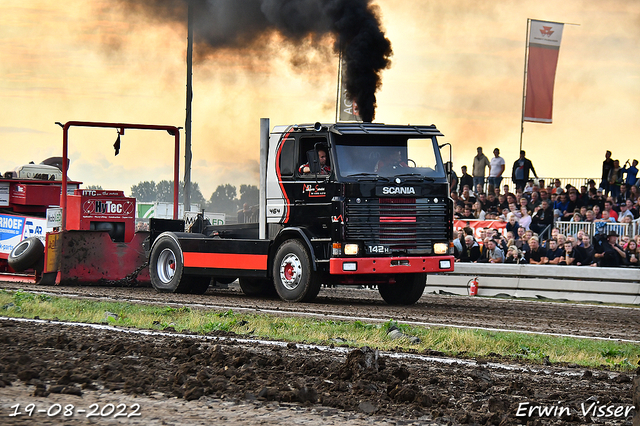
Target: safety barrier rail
{"type": "Point", "coordinates": [576, 283]}
{"type": "Point", "coordinates": [576, 182]}
{"type": "Point", "coordinates": [572, 228]}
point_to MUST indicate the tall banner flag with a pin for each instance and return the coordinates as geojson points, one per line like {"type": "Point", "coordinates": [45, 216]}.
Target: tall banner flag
{"type": "Point", "coordinates": [544, 47]}
{"type": "Point", "coordinates": [347, 109]}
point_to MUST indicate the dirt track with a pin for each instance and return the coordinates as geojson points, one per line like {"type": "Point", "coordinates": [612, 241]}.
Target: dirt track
{"type": "Point", "coordinates": [184, 380]}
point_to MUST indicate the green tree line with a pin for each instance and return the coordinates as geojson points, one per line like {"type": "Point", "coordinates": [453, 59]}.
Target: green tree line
{"type": "Point", "coordinates": [224, 199]}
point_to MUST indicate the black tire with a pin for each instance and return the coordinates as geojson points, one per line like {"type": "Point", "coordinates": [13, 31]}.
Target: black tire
{"type": "Point", "coordinates": [166, 265]}
{"type": "Point", "coordinates": [225, 280]}
{"type": "Point", "coordinates": [257, 287]}
{"type": "Point", "coordinates": [29, 253]}
{"type": "Point", "coordinates": [293, 274]}
{"type": "Point", "coordinates": [196, 284]}
{"type": "Point", "coordinates": [407, 289]}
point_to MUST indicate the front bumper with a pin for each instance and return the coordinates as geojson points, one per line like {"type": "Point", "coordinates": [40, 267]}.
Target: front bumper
{"type": "Point", "coordinates": [390, 265]}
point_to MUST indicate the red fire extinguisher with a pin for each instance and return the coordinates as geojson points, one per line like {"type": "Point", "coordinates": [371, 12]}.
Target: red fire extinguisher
{"type": "Point", "coordinates": [472, 287]}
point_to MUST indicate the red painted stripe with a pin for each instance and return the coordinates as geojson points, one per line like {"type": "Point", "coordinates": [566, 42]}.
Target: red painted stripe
{"type": "Point", "coordinates": [397, 219]}
{"type": "Point", "coordinates": [225, 260]}
{"type": "Point", "coordinates": [279, 176]}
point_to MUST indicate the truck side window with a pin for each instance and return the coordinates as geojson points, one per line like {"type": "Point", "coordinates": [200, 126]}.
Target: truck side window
{"type": "Point", "coordinates": [287, 158]}
{"type": "Point", "coordinates": [312, 143]}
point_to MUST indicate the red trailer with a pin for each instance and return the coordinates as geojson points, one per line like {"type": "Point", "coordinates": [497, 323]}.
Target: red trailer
{"type": "Point", "coordinates": [95, 242]}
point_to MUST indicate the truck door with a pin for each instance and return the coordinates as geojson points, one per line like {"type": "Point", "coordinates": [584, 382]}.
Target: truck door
{"type": "Point", "coordinates": [307, 195]}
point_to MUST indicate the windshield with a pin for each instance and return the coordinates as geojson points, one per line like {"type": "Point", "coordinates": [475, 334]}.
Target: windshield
{"type": "Point", "coordinates": [388, 157]}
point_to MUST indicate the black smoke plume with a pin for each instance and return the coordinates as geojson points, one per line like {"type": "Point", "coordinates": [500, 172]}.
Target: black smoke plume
{"type": "Point", "coordinates": [238, 24]}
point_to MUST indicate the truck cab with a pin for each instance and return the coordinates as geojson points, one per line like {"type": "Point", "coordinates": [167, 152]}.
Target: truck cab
{"type": "Point", "coordinates": [344, 203]}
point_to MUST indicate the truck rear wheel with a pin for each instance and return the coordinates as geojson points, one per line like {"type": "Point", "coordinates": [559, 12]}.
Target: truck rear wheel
{"type": "Point", "coordinates": [293, 275]}
{"type": "Point", "coordinates": [196, 284]}
{"type": "Point", "coordinates": [166, 266]}
{"type": "Point", "coordinates": [256, 286]}
{"type": "Point", "coordinates": [407, 289]}
{"type": "Point", "coordinates": [27, 254]}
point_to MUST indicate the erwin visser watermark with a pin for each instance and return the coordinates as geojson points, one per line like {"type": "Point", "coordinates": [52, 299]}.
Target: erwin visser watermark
{"type": "Point", "coordinates": [592, 409]}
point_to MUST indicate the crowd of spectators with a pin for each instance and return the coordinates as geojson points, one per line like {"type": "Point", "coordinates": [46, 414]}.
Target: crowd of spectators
{"type": "Point", "coordinates": [529, 215]}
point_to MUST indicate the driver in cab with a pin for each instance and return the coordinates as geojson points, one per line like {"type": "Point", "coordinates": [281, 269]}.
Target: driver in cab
{"type": "Point", "coordinates": [393, 162]}
{"type": "Point", "coordinates": [322, 159]}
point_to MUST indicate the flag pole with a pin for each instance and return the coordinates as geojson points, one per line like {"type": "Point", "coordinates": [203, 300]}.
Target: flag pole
{"type": "Point", "coordinates": [524, 81]}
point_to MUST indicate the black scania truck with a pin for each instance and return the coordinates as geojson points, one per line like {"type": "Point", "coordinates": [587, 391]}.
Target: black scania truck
{"type": "Point", "coordinates": [373, 209]}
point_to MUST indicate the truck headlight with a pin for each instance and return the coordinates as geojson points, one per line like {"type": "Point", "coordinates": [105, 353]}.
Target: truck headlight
{"type": "Point", "coordinates": [351, 249]}
{"type": "Point", "coordinates": [440, 248]}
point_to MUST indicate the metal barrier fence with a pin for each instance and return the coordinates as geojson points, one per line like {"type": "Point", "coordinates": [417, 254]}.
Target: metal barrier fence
{"type": "Point", "coordinates": [592, 228]}
{"type": "Point", "coordinates": [576, 182]}
{"type": "Point", "coordinates": [578, 283]}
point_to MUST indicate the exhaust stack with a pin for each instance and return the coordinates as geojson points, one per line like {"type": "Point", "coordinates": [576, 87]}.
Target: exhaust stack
{"type": "Point", "coordinates": [264, 146]}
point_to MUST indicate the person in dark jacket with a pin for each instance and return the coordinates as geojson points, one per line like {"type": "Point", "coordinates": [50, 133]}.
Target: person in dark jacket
{"type": "Point", "coordinates": [554, 253]}
{"type": "Point", "coordinates": [586, 251]}
{"type": "Point", "coordinates": [571, 255]}
{"type": "Point", "coordinates": [470, 251]}
{"type": "Point", "coordinates": [609, 253]}
{"type": "Point", "coordinates": [542, 218]}
{"type": "Point", "coordinates": [536, 254]}
{"type": "Point", "coordinates": [521, 169]}
{"type": "Point", "coordinates": [465, 180]}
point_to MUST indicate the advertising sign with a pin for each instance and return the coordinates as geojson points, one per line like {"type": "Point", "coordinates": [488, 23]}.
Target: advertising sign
{"type": "Point", "coordinates": [14, 229]}
{"type": "Point", "coordinates": [478, 225]}
{"type": "Point", "coordinates": [544, 47]}
{"type": "Point", "coordinates": [11, 229]}
{"type": "Point", "coordinates": [35, 227]}
{"type": "Point", "coordinates": [54, 217]}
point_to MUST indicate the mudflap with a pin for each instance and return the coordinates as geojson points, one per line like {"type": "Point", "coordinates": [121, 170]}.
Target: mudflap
{"type": "Point", "coordinates": [92, 258]}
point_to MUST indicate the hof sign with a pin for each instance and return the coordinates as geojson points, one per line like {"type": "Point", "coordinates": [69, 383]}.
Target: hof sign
{"type": "Point", "coordinates": [11, 229]}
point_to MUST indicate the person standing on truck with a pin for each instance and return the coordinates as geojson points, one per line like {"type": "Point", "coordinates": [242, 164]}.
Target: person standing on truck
{"type": "Point", "coordinates": [480, 162]}
{"type": "Point", "coordinates": [324, 167]}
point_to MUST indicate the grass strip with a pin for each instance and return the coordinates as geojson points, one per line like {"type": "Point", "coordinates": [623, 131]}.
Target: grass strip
{"type": "Point", "coordinates": [466, 343]}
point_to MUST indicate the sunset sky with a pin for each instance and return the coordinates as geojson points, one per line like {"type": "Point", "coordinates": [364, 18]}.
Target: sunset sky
{"type": "Point", "coordinates": [456, 64]}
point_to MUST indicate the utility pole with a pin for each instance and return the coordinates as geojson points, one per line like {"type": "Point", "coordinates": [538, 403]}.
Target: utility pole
{"type": "Point", "coordinates": [187, 124]}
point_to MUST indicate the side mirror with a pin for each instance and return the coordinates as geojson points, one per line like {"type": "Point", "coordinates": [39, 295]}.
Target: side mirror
{"type": "Point", "coordinates": [314, 162]}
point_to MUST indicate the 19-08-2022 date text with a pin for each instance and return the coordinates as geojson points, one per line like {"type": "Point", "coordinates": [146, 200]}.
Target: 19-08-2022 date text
{"type": "Point", "coordinates": [69, 410]}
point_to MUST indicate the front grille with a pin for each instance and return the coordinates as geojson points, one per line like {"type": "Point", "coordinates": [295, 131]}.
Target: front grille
{"type": "Point", "coordinates": [403, 224]}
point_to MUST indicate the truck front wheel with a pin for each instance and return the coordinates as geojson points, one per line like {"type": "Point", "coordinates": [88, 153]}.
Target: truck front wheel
{"type": "Point", "coordinates": [166, 266]}
{"type": "Point", "coordinates": [407, 289]}
{"type": "Point", "coordinates": [293, 274]}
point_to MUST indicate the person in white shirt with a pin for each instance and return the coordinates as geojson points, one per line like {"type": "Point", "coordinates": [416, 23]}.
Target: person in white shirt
{"type": "Point", "coordinates": [496, 168]}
